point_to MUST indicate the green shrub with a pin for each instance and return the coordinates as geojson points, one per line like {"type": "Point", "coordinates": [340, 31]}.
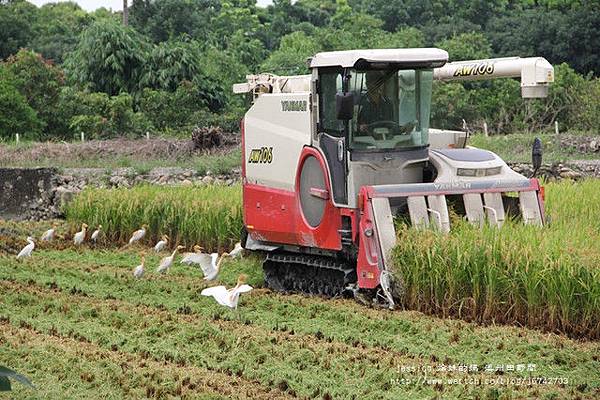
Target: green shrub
{"type": "Point", "coordinates": [171, 109]}
{"type": "Point", "coordinates": [101, 116]}
{"type": "Point", "coordinates": [228, 121]}
{"type": "Point", "coordinates": [586, 115]}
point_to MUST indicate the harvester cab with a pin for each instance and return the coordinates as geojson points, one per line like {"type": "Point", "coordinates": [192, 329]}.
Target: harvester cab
{"type": "Point", "coordinates": [331, 158]}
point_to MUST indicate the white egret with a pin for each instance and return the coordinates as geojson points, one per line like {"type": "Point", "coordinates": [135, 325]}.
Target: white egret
{"type": "Point", "coordinates": [80, 236]}
{"type": "Point", "coordinates": [161, 244]}
{"type": "Point", "coordinates": [48, 236]}
{"type": "Point", "coordinates": [138, 235]}
{"type": "Point", "coordinates": [231, 297]}
{"type": "Point", "coordinates": [192, 258]}
{"type": "Point", "coordinates": [211, 264]}
{"type": "Point", "coordinates": [166, 262]}
{"type": "Point", "coordinates": [237, 250]}
{"type": "Point", "coordinates": [96, 234]}
{"type": "Point", "coordinates": [138, 272]}
{"type": "Point", "coordinates": [26, 251]}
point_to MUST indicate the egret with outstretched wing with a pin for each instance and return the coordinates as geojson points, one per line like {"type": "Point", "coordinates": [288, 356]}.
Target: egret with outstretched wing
{"type": "Point", "coordinates": [228, 297]}
{"type": "Point", "coordinates": [237, 251]}
{"type": "Point", "coordinates": [192, 258]}
{"type": "Point", "coordinates": [211, 264]}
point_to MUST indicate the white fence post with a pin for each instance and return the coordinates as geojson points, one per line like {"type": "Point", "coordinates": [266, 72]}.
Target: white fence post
{"type": "Point", "coordinates": [147, 135]}
{"type": "Point", "coordinates": [485, 129]}
{"type": "Point", "coordinates": [82, 137]}
{"type": "Point", "coordinates": [17, 138]}
{"type": "Point", "coordinates": [556, 127]}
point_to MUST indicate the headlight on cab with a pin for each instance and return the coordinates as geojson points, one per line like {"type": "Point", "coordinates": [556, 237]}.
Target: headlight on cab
{"type": "Point", "coordinates": [478, 172]}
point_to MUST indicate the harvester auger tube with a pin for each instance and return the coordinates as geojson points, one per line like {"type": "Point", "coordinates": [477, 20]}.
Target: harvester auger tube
{"type": "Point", "coordinates": [331, 158]}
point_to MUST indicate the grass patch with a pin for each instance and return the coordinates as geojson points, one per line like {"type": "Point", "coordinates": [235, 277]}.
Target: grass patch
{"type": "Point", "coordinates": [218, 163]}
{"type": "Point", "coordinates": [208, 215]}
{"type": "Point", "coordinates": [547, 278]}
{"type": "Point", "coordinates": [517, 147]}
{"type": "Point", "coordinates": [141, 155]}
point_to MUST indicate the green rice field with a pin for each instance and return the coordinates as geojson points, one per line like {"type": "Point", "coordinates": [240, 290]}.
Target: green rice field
{"type": "Point", "coordinates": [486, 314]}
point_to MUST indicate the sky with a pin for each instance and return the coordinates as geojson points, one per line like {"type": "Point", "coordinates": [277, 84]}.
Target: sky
{"type": "Point", "coordinates": [116, 5]}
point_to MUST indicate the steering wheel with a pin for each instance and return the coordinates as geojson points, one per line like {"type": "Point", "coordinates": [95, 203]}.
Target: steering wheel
{"type": "Point", "coordinates": [393, 126]}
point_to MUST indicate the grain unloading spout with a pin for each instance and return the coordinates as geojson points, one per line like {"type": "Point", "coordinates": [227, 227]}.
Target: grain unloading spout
{"type": "Point", "coordinates": [535, 72]}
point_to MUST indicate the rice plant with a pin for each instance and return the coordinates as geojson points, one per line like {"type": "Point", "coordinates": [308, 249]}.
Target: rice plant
{"type": "Point", "coordinates": [539, 277]}
{"type": "Point", "coordinates": [547, 278]}
{"type": "Point", "coordinates": [208, 215]}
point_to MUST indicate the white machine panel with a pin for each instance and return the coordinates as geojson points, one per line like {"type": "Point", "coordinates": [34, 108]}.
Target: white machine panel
{"type": "Point", "coordinates": [474, 208]}
{"type": "Point", "coordinates": [494, 208]}
{"type": "Point", "coordinates": [530, 208]}
{"type": "Point", "coordinates": [417, 208]}
{"type": "Point", "coordinates": [276, 129]}
{"type": "Point", "coordinates": [385, 228]}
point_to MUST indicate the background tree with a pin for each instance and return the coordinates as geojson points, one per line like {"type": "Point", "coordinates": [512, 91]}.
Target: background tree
{"type": "Point", "coordinates": [178, 51]}
{"type": "Point", "coordinates": [169, 19]}
{"type": "Point", "coordinates": [466, 46]}
{"type": "Point", "coordinates": [295, 46]}
{"type": "Point", "coordinates": [57, 27]}
{"type": "Point", "coordinates": [17, 18]}
{"type": "Point", "coordinates": [16, 116]}
{"type": "Point", "coordinates": [39, 81]}
{"type": "Point", "coordinates": [171, 63]}
{"type": "Point", "coordinates": [109, 58]}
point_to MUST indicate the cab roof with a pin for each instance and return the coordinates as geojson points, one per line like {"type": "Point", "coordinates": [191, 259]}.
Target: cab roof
{"type": "Point", "coordinates": [382, 58]}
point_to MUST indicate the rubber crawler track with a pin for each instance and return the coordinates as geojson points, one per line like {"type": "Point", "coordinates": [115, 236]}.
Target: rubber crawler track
{"type": "Point", "coordinates": [309, 274]}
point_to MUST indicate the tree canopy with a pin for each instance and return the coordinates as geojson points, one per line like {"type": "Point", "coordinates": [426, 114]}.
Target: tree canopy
{"type": "Point", "coordinates": [194, 50]}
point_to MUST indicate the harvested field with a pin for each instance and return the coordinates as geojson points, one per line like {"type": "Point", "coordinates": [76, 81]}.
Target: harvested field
{"type": "Point", "coordinates": [80, 326]}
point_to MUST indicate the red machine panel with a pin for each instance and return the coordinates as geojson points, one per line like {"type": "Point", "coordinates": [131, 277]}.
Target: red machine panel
{"type": "Point", "coordinates": [275, 215]}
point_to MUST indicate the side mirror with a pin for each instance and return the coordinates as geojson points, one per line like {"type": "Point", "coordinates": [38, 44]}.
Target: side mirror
{"type": "Point", "coordinates": [344, 106]}
{"type": "Point", "coordinates": [536, 154]}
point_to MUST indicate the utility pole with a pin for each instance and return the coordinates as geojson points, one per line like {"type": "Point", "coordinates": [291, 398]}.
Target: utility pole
{"type": "Point", "coordinates": [125, 13]}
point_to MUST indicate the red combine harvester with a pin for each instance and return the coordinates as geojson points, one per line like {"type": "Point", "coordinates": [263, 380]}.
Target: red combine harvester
{"type": "Point", "coordinates": [330, 158]}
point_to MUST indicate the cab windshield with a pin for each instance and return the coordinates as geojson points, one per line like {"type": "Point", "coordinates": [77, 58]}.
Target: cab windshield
{"type": "Point", "coordinates": [391, 107]}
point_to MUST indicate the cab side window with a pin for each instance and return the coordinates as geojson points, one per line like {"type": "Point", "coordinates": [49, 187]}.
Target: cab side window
{"type": "Point", "coordinates": [330, 82]}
